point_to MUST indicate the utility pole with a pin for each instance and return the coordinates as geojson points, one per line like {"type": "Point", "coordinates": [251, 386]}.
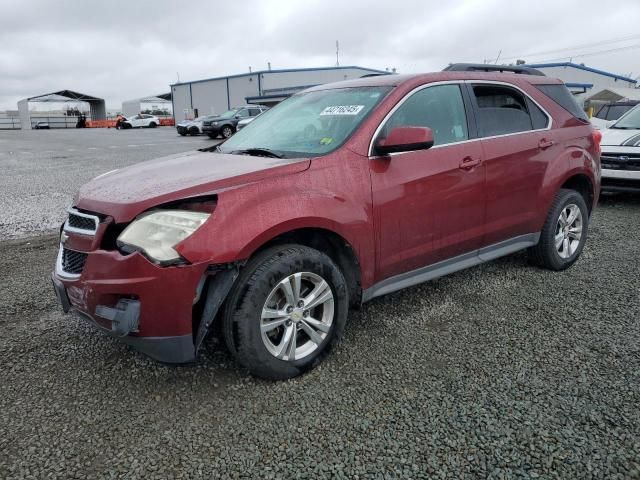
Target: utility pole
{"type": "Point", "coordinates": [337, 54]}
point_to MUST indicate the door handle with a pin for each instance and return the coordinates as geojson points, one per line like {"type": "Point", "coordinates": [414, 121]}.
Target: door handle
{"type": "Point", "coordinates": [544, 143]}
{"type": "Point", "coordinates": [468, 163]}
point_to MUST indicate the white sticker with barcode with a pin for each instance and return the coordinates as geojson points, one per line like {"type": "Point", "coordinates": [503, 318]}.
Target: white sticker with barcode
{"type": "Point", "coordinates": [342, 110]}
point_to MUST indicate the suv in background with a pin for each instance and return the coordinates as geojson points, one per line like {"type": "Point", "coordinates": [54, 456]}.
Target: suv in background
{"type": "Point", "coordinates": [621, 153]}
{"type": "Point", "coordinates": [611, 112]}
{"type": "Point", "coordinates": [379, 184]}
{"type": "Point", "coordinates": [226, 123]}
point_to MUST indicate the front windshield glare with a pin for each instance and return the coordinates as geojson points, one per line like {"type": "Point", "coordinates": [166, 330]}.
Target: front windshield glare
{"type": "Point", "coordinates": [308, 124]}
{"type": "Point", "coordinates": [229, 113]}
{"type": "Point", "coordinates": [629, 121]}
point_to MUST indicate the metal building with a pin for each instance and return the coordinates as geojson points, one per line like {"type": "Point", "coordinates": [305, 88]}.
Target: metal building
{"type": "Point", "coordinates": [584, 81]}
{"type": "Point", "coordinates": [267, 87]}
{"type": "Point", "coordinates": [96, 106]}
{"type": "Point", "coordinates": [133, 107]}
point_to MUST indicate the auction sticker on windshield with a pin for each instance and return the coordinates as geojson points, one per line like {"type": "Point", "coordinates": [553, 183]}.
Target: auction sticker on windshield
{"type": "Point", "coordinates": [342, 110]}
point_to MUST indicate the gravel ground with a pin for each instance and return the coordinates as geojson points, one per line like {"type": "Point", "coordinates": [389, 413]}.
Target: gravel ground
{"type": "Point", "coordinates": [501, 371]}
{"type": "Point", "coordinates": [43, 169]}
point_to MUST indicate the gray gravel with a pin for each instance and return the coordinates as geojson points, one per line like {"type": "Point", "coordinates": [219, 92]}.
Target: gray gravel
{"type": "Point", "coordinates": [502, 371]}
{"type": "Point", "coordinates": [43, 169]}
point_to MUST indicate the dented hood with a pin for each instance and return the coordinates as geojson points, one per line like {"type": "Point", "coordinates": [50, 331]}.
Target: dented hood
{"type": "Point", "coordinates": [125, 193]}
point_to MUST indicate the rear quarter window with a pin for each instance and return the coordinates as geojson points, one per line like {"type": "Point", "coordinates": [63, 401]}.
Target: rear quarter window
{"type": "Point", "coordinates": [560, 94]}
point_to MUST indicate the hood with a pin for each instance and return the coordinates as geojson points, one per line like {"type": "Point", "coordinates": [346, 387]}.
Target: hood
{"type": "Point", "coordinates": [619, 137]}
{"type": "Point", "coordinates": [125, 193]}
{"type": "Point", "coordinates": [184, 123]}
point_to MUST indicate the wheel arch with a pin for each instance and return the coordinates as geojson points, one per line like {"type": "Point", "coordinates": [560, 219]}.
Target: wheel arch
{"type": "Point", "coordinates": [325, 240]}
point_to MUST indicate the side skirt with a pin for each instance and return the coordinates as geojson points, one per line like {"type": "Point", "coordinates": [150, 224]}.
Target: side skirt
{"type": "Point", "coordinates": [445, 267]}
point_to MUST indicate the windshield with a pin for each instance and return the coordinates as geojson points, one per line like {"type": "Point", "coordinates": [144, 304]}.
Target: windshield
{"type": "Point", "coordinates": [630, 120]}
{"type": "Point", "coordinates": [308, 124]}
{"type": "Point", "coordinates": [230, 113]}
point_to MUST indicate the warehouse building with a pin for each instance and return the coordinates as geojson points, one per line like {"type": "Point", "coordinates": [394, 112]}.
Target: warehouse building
{"type": "Point", "coordinates": [584, 81]}
{"type": "Point", "coordinates": [267, 87]}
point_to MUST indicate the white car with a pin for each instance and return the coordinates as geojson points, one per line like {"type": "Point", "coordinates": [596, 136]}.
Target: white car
{"type": "Point", "coordinates": [191, 127]}
{"type": "Point", "coordinates": [141, 120]}
{"type": "Point", "coordinates": [620, 158]}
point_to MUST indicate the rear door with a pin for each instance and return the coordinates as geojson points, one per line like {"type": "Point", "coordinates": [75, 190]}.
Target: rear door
{"type": "Point", "coordinates": [429, 204]}
{"type": "Point", "coordinates": [518, 146]}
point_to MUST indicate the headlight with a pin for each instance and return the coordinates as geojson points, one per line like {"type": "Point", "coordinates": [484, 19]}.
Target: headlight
{"type": "Point", "coordinates": [215, 124]}
{"type": "Point", "coordinates": [156, 233]}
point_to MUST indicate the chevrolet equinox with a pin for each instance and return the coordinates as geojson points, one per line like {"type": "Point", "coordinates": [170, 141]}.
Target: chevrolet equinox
{"type": "Point", "coordinates": [340, 194]}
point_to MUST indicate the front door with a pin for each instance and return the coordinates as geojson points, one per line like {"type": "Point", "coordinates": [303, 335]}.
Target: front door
{"type": "Point", "coordinates": [429, 204]}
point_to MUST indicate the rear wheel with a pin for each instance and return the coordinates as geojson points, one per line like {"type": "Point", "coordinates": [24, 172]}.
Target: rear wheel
{"type": "Point", "coordinates": [153, 125]}
{"type": "Point", "coordinates": [227, 131]}
{"type": "Point", "coordinates": [564, 232]}
{"type": "Point", "coordinates": [194, 131]}
{"type": "Point", "coordinates": [287, 309]}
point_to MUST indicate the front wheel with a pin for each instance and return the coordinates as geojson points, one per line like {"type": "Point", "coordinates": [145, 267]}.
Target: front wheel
{"type": "Point", "coordinates": [153, 125]}
{"type": "Point", "coordinates": [285, 312]}
{"type": "Point", "coordinates": [227, 131]}
{"type": "Point", "coordinates": [564, 232]}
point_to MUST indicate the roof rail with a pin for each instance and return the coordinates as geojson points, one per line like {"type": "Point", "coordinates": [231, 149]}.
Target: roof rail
{"type": "Point", "coordinates": [486, 67]}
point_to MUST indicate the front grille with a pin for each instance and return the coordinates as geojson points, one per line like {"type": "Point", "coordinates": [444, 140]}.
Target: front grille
{"type": "Point", "coordinates": [83, 223]}
{"type": "Point", "coordinates": [72, 261]}
{"type": "Point", "coordinates": [620, 161]}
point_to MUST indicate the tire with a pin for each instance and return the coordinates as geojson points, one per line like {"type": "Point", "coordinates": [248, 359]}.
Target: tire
{"type": "Point", "coordinates": [226, 131]}
{"type": "Point", "coordinates": [261, 282]}
{"type": "Point", "coordinates": [547, 253]}
{"type": "Point", "coordinates": [182, 134]}
{"type": "Point", "coordinates": [193, 132]}
{"type": "Point", "coordinates": [153, 125]}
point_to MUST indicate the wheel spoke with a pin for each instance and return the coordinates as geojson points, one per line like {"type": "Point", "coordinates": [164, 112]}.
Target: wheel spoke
{"type": "Point", "coordinates": [291, 349]}
{"type": "Point", "coordinates": [575, 233]}
{"type": "Point", "coordinates": [268, 326]}
{"type": "Point", "coordinates": [312, 334]}
{"type": "Point", "coordinates": [273, 313]}
{"type": "Point", "coordinates": [281, 349]}
{"type": "Point", "coordinates": [291, 288]}
{"type": "Point", "coordinates": [563, 218]}
{"type": "Point", "coordinates": [559, 238]}
{"type": "Point", "coordinates": [317, 324]}
{"type": "Point", "coordinates": [573, 214]}
{"type": "Point", "coordinates": [565, 247]}
{"type": "Point", "coordinates": [318, 295]}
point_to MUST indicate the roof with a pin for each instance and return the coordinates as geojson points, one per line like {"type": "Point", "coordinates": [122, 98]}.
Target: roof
{"type": "Point", "coordinates": [286, 70]}
{"type": "Point", "coordinates": [581, 67]}
{"type": "Point", "coordinates": [616, 94]}
{"type": "Point", "coordinates": [421, 78]}
{"type": "Point", "coordinates": [65, 96]}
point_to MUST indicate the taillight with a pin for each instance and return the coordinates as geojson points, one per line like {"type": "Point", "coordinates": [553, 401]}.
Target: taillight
{"type": "Point", "coordinates": [596, 136]}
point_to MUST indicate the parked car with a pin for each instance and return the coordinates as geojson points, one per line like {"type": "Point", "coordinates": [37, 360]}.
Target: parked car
{"type": "Point", "coordinates": [42, 125]}
{"type": "Point", "coordinates": [275, 233]}
{"type": "Point", "coordinates": [226, 123]}
{"type": "Point", "coordinates": [192, 127]}
{"type": "Point", "coordinates": [244, 122]}
{"type": "Point", "coordinates": [621, 153]}
{"type": "Point", "coordinates": [141, 121]}
{"type": "Point", "coordinates": [609, 113]}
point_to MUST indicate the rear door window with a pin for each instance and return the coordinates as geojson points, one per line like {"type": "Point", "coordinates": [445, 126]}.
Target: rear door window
{"type": "Point", "coordinates": [440, 107]}
{"type": "Point", "coordinates": [503, 110]}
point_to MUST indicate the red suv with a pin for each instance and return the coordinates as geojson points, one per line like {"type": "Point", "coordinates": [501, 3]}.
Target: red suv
{"type": "Point", "coordinates": [342, 193]}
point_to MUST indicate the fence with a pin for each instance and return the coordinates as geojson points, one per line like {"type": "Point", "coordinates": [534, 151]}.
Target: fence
{"type": "Point", "coordinates": [9, 123]}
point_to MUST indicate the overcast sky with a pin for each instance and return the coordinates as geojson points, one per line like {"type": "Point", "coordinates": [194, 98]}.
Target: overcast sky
{"type": "Point", "coordinates": [119, 50]}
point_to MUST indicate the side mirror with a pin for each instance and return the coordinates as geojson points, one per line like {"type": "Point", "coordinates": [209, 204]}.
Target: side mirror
{"type": "Point", "coordinates": [405, 139]}
{"type": "Point", "coordinates": [237, 116]}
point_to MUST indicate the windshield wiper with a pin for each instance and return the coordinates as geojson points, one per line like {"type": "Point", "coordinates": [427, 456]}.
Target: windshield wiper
{"type": "Point", "coordinates": [258, 152]}
{"type": "Point", "coordinates": [622, 128]}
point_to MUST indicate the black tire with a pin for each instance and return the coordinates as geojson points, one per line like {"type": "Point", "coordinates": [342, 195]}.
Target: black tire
{"type": "Point", "coordinates": [194, 131]}
{"type": "Point", "coordinates": [227, 131]}
{"type": "Point", "coordinates": [545, 254]}
{"type": "Point", "coordinates": [153, 125]}
{"type": "Point", "coordinates": [182, 134]}
{"type": "Point", "coordinates": [242, 315]}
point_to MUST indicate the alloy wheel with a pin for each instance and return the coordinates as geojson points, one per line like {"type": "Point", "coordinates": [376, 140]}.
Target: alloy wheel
{"type": "Point", "coordinates": [297, 316]}
{"type": "Point", "coordinates": [568, 231]}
